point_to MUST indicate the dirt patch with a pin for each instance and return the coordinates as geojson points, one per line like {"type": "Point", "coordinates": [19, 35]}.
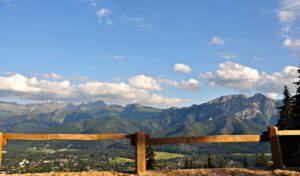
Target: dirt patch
{"type": "Point", "coordinates": [179, 172]}
{"type": "Point", "coordinates": [225, 172]}
{"type": "Point", "coordinates": [102, 173]}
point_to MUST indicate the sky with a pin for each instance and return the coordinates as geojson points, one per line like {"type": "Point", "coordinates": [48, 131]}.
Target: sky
{"type": "Point", "coordinates": [152, 52]}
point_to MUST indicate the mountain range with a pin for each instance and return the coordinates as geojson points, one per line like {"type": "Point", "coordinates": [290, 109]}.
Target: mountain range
{"type": "Point", "coordinates": [232, 114]}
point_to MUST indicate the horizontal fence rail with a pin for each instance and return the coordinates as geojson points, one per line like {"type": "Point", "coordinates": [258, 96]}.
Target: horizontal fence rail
{"type": "Point", "coordinates": [288, 133]}
{"type": "Point", "coordinates": [140, 140]}
{"type": "Point", "coordinates": [207, 139]}
{"type": "Point", "coordinates": [83, 137]}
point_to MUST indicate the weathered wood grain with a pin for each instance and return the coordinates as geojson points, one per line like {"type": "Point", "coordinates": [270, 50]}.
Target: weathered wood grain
{"type": "Point", "coordinates": [275, 147]}
{"type": "Point", "coordinates": [84, 137]}
{"type": "Point", "coordinates": [207, 139]}
{"type": "Point", "coordinates": [288, 133]}
{"type": "Point", "coordinates": [140, 153]}
{"type": "Point", "coordinates": [1, 144]}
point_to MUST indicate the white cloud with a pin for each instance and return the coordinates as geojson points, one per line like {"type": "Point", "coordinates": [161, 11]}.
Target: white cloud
{"type": "Point", "coordinates": [103, 12]}
{"type": "Point", "coordinates": [139, 22]}
{"type": "Point", "coordinates": [144, 82]}
{"type": "Point", "coordinates": [20, 87]}
{"type": "Point", "coordinates": [190, 84]}
{"type": "Point", "coordinates": [229, 55]}
{"type": "Point", "coordinates": [52, 76]}
{"type": "Point", "coordinates": [217, 40]}
{"type": "Point", "coordinates": [273, 83]}
{"type": "Point", "coordinates": [292, 44]}
{"type": "Point", "coordinates": [182, 68]}
{"type": "Point", "coordinates": [109, 22]}
{"type": "Point", "coordinates": [123, 93]}
{"type": "Point", "coordinates": [288, 42]}
{"type": "Point", "coordinates": [93, 3]}
{"type": "Point", "coordinates": [243, 78]}
{"type": "Point", "coordinates": [258, 59]}
{"type": "Point", "coordinates": [288, 14]}
{"type": "Point", "coordinates": [103, 16]}
{"type": "Point", "coordinates": [273, 95]}
{"type": "Point", "coordinates": [118, 57]}
{"type": "Point", "coordinates": [233, 75]}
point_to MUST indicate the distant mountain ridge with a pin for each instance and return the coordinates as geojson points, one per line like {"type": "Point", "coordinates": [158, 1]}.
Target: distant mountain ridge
{"type": "Point", "coordinates": [33, 108]}
{"type": "Point", "coordinates": [232, 114]}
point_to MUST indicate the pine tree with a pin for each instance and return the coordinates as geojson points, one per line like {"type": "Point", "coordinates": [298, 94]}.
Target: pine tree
{"type": "Point", "coordinates": [286, 122]}
{"type": "Point", "coordinates": [285, 116]}
{"type": "Point", "coordinates": [210, 162]}
{"type": "Point", "coordinates": [222, 163]}
{"type": "Point", "coordinates": [246, 163]}
{"type": "Point", "coordinates": [293, 148]}
{"type": "Point", "coordinates": [188, 164]}
{"type": "Point", "coordinates": [296, 104]}
{"type": "Point", "coordinates": [151, 163]}
{"type": "Point", "coordinates": [289, 119]}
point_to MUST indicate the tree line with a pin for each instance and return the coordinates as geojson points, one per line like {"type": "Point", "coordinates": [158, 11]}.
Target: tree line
{"type": "Point", "coordinates": [289, 119]}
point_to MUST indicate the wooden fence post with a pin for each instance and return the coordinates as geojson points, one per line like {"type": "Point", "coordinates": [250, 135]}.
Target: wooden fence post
{"type": "Point", "coordinates": [275, 147]}
{"type": "Point", "coordinates": [1, 144]}
{"type": "Point", "coordinates": [140, 152]}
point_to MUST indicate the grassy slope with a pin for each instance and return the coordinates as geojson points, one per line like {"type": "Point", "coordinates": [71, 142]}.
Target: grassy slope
{"type": "Point", "coordinates": [159, 156]}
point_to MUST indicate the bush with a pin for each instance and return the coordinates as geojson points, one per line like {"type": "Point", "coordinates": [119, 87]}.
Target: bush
{"type": "Point", "coordinates": [188, 164]}
{"type": "Point", "coordinates": [262, 161]}
{"type": "Point", "coordinates": [209, 162]}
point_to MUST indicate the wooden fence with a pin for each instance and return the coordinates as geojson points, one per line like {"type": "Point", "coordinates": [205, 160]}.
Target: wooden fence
{"type": "Point", "coordinates": [140, 140]}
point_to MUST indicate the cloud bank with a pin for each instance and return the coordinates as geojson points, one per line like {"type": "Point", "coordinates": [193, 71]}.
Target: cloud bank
{"type": "Point", "coordinates": [22, 87]}
{"type": "Point", "coordinates": [144, 82]}
{"type": "Point", "coordinates": [52, 76]}
{"type": "Point", "coordinates": [243, 78]}
{"type": "Point", "coordinates": [189, 84]}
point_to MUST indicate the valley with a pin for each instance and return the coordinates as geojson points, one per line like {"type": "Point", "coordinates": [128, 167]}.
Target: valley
{"type": "Point", "coordinates": [233, 114]}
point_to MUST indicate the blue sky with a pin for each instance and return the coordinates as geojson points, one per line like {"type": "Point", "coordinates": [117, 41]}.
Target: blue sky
{"type": "Point", "coordinates": [158, 53]}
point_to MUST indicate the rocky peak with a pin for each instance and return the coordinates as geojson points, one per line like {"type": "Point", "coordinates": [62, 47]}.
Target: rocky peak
{"type": "Point", "coordinates": [133, 106]}
{"type": "Point", "coordinates": [93, 105]}
{"type": "Point", "coordinates": [229, 98]}
{"type": "Point", "coordinates": [259, 97]}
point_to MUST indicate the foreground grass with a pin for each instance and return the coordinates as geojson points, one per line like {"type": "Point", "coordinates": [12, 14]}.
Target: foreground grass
{"type": "Point", "coordinates": [167, 155]}
{"type": "Point", "coordinates": [248, 154]}
{"type": "Point", "coordinates": [159, 156]}
{"type": "Point", "coordinates": [48, 150]}
{"type": "Point", "coordinates": [120, 160]}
